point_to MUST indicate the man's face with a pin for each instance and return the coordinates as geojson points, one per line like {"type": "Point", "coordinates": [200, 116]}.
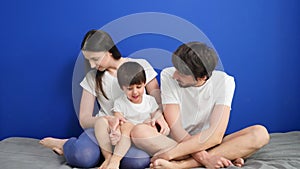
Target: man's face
{"type": "Point", "coordinates": [184, 80]}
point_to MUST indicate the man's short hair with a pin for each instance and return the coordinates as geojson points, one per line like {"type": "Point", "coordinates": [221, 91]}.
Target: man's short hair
{"type": "Point", "coordinates": [131, 73]}
{"type": "Point", "coordinates": [195, 58]}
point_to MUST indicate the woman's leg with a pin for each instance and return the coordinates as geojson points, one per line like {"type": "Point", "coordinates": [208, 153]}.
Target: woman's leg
{"type": "Point", "coordinates": [84, 151]}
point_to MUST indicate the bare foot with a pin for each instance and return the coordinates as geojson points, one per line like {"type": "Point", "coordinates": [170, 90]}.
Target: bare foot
{"type": "Point", "coordinates": [54, 144]}
{"type": "Point", "coordinates": [113, 165]}
{"type": "Point", "coordinates": [58, 151]}
{"type": "Point", "coordinates": [164, 164]}
{"type": "Point", "coordinates": [210, 161]}
{"type": "Point", "coordinates": [239, 162]}
{"type": "Point", "coordinates": [104, 164]}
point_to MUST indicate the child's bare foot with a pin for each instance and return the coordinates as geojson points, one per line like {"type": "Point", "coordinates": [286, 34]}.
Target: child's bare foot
{"type": "Point", "coordinates": [104, 164]}
{"type": "Point", "coordinates": [114, 162]}
{"type": "Point", "coordinates": [113, 165]}
{"type": "Point", "coordinates": [239, 162]}
{"type": "Point", "coordinates": [54, 144]}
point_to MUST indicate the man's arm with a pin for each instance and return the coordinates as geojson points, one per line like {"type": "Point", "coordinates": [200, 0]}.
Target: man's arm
{"type": "Point", "coordinates": [172, 116]}
{"type": "Point", "coordinates": [201, 141]}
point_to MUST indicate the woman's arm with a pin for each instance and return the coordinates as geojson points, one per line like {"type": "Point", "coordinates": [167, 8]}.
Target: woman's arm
{"type": "Point", "coordinates": [86, 118]}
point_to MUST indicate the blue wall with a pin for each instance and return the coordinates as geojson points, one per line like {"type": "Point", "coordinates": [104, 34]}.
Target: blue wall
{"type": "Point", "coordinates": [258, 43]}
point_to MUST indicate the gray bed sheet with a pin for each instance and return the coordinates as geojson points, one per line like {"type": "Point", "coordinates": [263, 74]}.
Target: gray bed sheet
{"type": "Point", "coordinates": [283, 151]}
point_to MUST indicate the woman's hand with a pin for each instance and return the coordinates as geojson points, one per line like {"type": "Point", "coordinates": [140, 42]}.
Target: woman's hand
{"type": "Point", "coordinates": [114, 123]}
{"type": "Point", "coordinates": [115, 136]}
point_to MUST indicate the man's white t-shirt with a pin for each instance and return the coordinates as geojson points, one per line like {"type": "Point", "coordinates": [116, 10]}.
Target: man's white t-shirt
{"type": "Point", "coordinates": [197, 103]}
{"type": "Point", "coordinates": [136, 113]}
{"type": "Point", "coordinates": [111, 87]}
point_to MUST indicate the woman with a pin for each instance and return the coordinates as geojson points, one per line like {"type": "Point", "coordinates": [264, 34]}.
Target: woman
{"type": "Point", "coordinates": [104, 58]}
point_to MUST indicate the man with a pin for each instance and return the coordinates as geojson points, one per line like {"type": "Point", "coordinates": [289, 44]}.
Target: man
{"type": "Point", "coordinates": [197, 103]}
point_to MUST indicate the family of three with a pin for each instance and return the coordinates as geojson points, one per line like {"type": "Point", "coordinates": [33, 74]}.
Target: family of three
{"type": "Point", "coordinates": [179, 124]}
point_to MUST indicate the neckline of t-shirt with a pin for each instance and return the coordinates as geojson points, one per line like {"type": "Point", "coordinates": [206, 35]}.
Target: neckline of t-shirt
{"type": "Point", "coordinates": [107, 72]}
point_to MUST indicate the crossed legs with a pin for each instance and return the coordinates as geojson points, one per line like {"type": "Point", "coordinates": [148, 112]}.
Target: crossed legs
{"type": "Point", "coordinates": [235, 146]}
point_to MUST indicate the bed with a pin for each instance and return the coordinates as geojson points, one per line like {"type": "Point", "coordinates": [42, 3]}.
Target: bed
{"type": "Point", "coordinates": [283, 151]}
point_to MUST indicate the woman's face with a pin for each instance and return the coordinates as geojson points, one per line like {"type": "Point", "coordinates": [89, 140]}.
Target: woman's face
{"type": "Point", "coordinates": [97, 60]}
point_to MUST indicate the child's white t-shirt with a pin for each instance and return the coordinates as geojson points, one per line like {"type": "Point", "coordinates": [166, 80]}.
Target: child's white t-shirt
{"type": "Point", "coordinates": [136, 113]}
{"type": "Point", "coordinates": [197, 103]}
{"type": "Point", "coordinates": [111, 87]}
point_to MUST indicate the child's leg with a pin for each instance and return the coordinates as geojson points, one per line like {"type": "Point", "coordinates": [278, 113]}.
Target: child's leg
{"type": "Point", "coordinates": [102, 134]}
{"type": "Point", "coordinates": [122, 146]}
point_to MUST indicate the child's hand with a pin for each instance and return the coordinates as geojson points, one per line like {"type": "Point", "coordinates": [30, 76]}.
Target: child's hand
{"type": "Point", "coordinates": [115, 136]}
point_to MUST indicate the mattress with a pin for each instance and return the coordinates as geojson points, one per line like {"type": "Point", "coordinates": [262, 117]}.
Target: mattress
{"type": "Point", "coordinates": [283, 151]}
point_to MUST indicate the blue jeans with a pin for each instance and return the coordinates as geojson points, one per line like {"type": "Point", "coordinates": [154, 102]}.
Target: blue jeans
{"type": "Point", "coordinates": [84, 152]}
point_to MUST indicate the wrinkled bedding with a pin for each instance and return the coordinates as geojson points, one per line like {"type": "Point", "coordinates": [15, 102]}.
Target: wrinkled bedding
{"type": "Point", "coordinates": [283, 151]}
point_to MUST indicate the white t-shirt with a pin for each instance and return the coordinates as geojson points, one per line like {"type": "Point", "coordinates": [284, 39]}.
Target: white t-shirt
{"type": "Point", "coordinates": [197, 103]}
{"type": "Point", "coordinates": [136, 113]}
{"type": "Point", "coordinates": [111, 87]}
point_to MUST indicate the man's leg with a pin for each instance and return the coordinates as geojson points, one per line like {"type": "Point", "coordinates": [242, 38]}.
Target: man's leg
{"type": "Point", "coordinates": [234, 146]}
{"type": "Point", "coordinates": [242, 143]}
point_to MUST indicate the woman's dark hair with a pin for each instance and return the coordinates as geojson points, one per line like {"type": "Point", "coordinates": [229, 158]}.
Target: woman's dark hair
{"type": "Point", "coordinates": [131, 73]}
{"type": "Point", "coordinates": [99, 41]}
{"type": "Point", "coordinates": [196, 59]}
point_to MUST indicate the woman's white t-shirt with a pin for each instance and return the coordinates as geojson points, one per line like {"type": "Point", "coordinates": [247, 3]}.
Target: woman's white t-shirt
{"type": "Point", "coordinates": [197, 103]}
{"type": "Point", "coordinates": [136, 113]}
{"type": "Point", "coordinates": [111, 87]}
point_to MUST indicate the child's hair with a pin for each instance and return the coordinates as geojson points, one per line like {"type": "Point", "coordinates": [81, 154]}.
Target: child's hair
{"type": "Point", "coordinates": [131, 73]}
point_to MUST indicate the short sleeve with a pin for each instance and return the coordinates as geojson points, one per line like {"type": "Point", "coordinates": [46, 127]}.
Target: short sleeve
{"type": "Point", "coordinates": [88, 83]}
{"type": "Point", "coordinates": [225, 91]}
{"type": "Point", "coordinates": [118, 105]}
{"type": "Point", "coordinates": [169, 90]}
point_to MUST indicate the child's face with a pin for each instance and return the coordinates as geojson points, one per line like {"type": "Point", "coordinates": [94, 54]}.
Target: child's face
{"type": "Point", "coordinates": [135, 92]}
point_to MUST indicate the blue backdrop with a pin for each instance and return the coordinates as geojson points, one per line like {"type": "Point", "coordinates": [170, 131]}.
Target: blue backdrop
{"type": "Point", "coordinates": [257, 41]}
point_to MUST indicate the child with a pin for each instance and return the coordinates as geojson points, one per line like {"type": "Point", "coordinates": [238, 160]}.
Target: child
{"type": "Point", "coordinates": [133, 107]}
